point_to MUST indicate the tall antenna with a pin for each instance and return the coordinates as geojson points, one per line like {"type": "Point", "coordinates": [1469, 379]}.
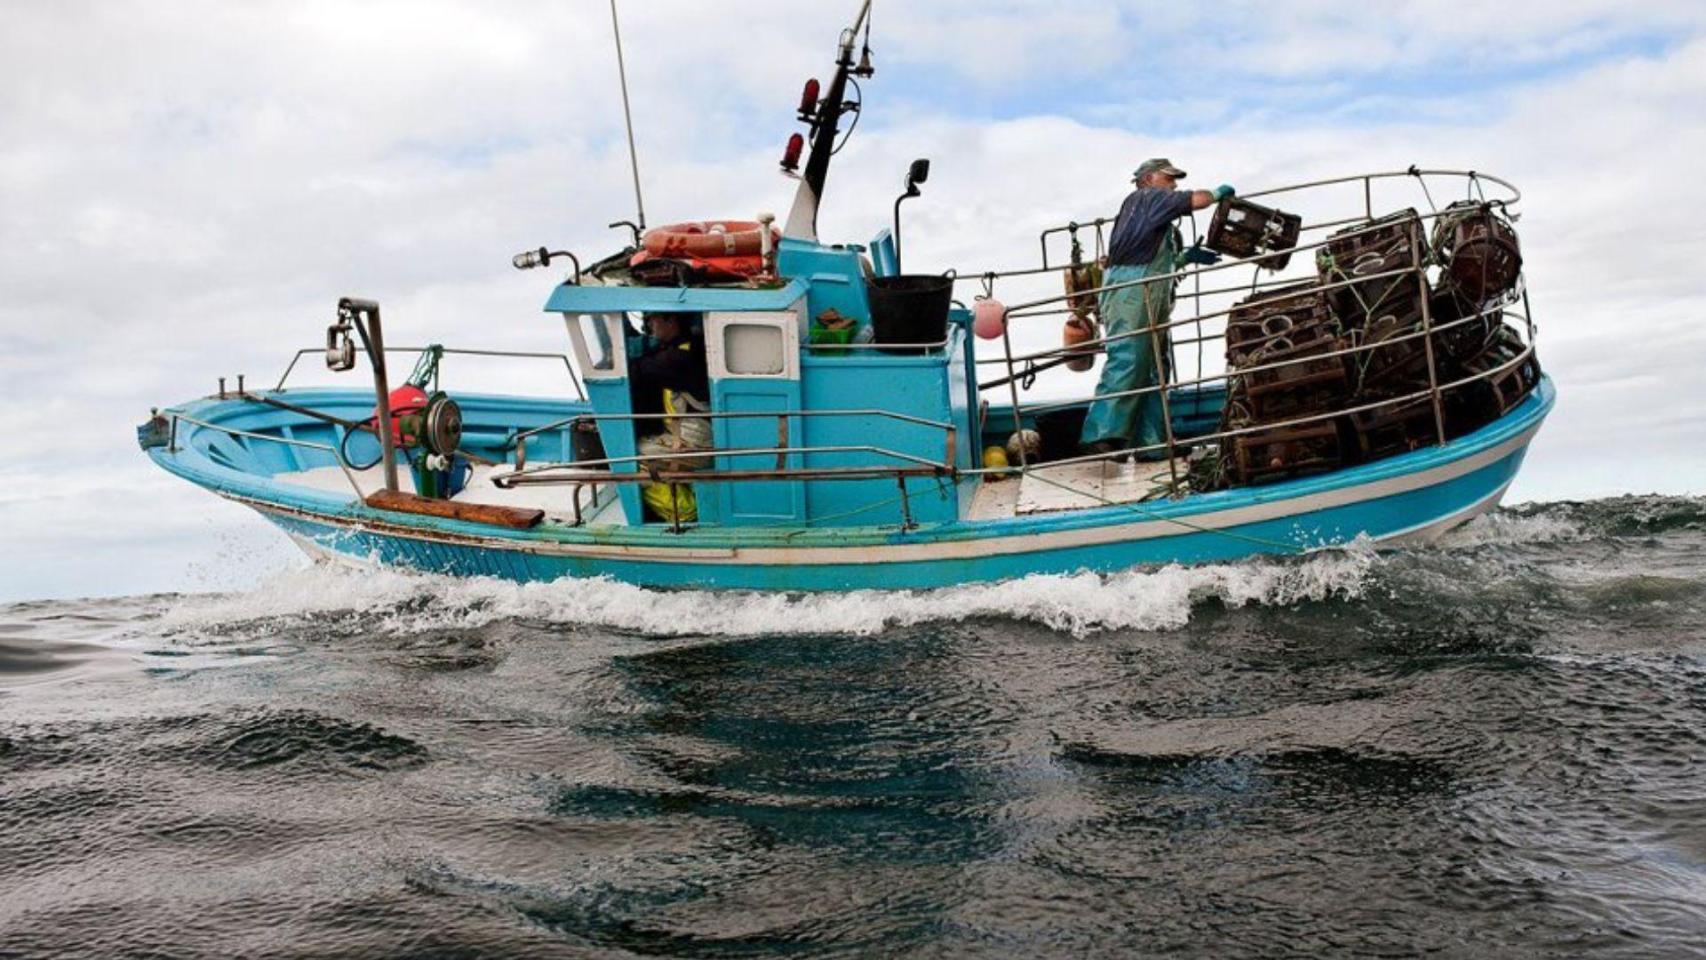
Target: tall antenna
{"type": "Point", "coordinates": [628, 116]}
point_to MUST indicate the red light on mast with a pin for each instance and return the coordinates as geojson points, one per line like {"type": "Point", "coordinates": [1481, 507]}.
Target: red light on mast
{"type": "Point", "coordinates": [791, 156]}
{"type": "Point", "coordinates": [808, 99]}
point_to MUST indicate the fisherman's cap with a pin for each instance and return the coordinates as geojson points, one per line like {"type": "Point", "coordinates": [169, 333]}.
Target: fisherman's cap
{"type": "Point", "coordinates": [1157, 165]}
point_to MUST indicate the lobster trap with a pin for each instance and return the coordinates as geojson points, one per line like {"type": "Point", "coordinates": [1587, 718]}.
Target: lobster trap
{"type": "Point", "coordinates": [1297, 314]}
{"type": "Point", "coordinates": [1461, 329]}
{"type": "Point", "coordinates": [1244, 229]}
{"type": "Point", "coordinates": [1264, 456]}
{"type": "Point", "coordinates": [1502, 380]}
{"type": "Point", "coordinates": [1389, 431]}
{"type": "Point", "coordinates": [1477, 251]}
{"type": "Point", "coordinates": [1374, 264]}
{"type": "Point", "coordinates": [1297, 379]}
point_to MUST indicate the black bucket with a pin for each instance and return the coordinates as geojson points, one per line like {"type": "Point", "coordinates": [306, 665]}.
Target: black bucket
{"type": "Point", "coordinates": [910, 309]}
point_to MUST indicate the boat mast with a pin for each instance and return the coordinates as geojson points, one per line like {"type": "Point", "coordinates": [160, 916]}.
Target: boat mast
{"type": "Point", "coordinates": [628, 116]}
{"type": "Point", "coordinates": [802, 219]}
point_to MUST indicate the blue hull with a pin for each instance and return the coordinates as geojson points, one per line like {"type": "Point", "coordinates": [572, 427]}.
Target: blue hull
{"type": "Point", "coordinates": [1414, 495]}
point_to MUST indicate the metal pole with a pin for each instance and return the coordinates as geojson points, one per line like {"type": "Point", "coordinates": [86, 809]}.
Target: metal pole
{"type": "Point", "coordinates": [628, 116]}
{"type": "Point", "coordinates": [382, 389]}
{"type": "Point", "coordinates": [1013, 391]}
{"type": "Point", "coordinates": [1428, 339]}
{"type": "Point", "coordinates": [1161, 368]}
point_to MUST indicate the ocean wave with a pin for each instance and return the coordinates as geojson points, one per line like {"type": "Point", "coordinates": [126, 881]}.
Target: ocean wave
{"type": "Point", "coordinates": [1475, 560]}
{"type": "Point", "coordinates": [1080, 604]}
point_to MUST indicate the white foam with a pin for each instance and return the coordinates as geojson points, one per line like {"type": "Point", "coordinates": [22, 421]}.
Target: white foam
{"type": "Point", "coordinates": [1512, 529]}
{"type": "Point", "coordinates": [1080, 604]}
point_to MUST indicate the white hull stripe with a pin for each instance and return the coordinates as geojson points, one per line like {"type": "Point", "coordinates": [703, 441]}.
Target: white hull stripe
{"type": "Point", "coordinates": [971, 548]}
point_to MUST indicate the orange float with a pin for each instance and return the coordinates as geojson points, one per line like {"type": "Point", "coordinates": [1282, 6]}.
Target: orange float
{"type": "Point", "coordinates": [1077, 331]}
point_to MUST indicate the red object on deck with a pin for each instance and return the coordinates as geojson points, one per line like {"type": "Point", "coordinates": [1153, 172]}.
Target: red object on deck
{"type": "Point", "coordinates": [406, 399]}
{"type": "Point", "coordinates": [712, 268]}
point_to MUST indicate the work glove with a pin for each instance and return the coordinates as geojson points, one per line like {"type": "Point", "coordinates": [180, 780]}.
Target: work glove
{"type": "Point", "coordinates": [1223, 191]}
{"type": "Point", "coordinates": [1197, 255]}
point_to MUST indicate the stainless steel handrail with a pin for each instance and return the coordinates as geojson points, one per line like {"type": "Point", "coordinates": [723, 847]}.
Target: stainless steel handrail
{"type": "Point", "coordinates": [950, 431]}
{"type": "Point", "coordinates": [569, 421]}
{"type": "Point", "coordinates": [1420, 259]}
{"type": "Point", "coordinates": [172, 442]}
{"type": "Point", "coordinates": [583, 470]}
{"type": "Point", "coordinates": [1472, 177]}
{"type": "Point", "coordinates": [568, 365]}
{"type": "Point", "coordinates": [1513, 363]}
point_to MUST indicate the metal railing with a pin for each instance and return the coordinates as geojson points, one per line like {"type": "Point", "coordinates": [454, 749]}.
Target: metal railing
{"type": "Point", "coordinates": [677, 466]}
{"type": "Point", "coordinates": [1160, 334]}
{"type": "Point", "coordinates": [568, 365]}
{"type": "Point", "coordinates": [684, 466]}
{"type": "Point", "coordinates": [172, 443]}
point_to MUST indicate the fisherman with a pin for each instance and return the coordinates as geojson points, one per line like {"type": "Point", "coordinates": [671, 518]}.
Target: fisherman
{"type": "Point", "coordinates": [668, 370]}
{"type": "Point", "coordinates": [1144, 243]}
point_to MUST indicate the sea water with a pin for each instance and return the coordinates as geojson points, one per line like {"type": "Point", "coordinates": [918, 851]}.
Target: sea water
{"type": "Point", "coordinates": [1495, 746]}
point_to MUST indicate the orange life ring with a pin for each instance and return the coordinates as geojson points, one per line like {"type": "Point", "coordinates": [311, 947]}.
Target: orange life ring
{"type": "Point", "coordinates": [712, 239]}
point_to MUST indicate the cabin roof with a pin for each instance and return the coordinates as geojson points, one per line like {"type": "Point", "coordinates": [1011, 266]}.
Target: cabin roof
{"type": "Point", "coordinates": [569, 298]}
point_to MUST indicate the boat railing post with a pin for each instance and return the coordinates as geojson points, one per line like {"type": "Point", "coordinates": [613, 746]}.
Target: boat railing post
{"type": "Point", "coordinates": [1012, 391]}
{"type": "Point", "coordinates": [1196, 300]}
{"type": "Point", "coordinates": [906, 521]}
{"type": "Point", "coordinates": [1162, 363]}
{"type": "Point", "coordinates": [1527, 312]}
{"type": "Point", "coordinates": [1428, 339]}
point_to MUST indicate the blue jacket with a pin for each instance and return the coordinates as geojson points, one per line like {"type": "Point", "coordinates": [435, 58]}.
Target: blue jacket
{"type": "Point", "coordinates": [1144, 220]}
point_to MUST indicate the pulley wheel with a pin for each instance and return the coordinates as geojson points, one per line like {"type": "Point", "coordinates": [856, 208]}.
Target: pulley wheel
{"type": "Point", "coordinates": [443, 434]}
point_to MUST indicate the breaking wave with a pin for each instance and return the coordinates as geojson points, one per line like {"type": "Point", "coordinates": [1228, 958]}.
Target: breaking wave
{"type": "Point", "coordinates": [1082, 603]}
{"type": "Point", "coordinates": [1495, 546]}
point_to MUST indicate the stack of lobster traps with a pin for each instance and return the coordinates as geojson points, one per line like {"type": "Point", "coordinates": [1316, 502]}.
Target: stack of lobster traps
{"type": "Point", "coordinates": [1336, 370]}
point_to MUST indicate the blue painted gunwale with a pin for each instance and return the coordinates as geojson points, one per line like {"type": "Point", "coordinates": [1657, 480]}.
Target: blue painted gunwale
{"type": "Point", "coordinates": [1449, 482]}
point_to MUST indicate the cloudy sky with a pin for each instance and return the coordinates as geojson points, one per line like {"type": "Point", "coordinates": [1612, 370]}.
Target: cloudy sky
{"type": "Point", "coordinates": [186, 188]}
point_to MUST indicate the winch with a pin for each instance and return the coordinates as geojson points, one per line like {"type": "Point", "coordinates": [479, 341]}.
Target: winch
{"type": "Point", "coordinates": [434, 433]}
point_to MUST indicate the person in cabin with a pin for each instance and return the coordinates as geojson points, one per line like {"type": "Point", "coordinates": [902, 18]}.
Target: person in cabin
{"type": "Point", "coordinates": [1145, 243]}
{"type": "Point", "coordinates": [668, 370]}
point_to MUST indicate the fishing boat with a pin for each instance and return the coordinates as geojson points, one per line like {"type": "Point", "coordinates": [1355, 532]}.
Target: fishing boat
{"type": "Point", "coordinates": [867, 427]}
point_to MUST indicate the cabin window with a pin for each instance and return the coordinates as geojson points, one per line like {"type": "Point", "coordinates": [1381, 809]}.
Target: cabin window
{"type": "Point", "coordinates": [754, 350]}
{"type": "Point", "coordinates": [601, 351]}
{"type": "Point", "coordinates": [762, 345]}
{"type": "Point", "coordinates": [599, 341]}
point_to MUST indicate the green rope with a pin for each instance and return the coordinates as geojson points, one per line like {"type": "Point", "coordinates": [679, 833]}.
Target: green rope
{"type": "Point", "coordinates": [426, 368]}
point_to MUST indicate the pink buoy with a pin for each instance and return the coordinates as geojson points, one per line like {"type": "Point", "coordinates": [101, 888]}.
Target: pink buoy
{"type": "Point", "coordinates": [989, 318]}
